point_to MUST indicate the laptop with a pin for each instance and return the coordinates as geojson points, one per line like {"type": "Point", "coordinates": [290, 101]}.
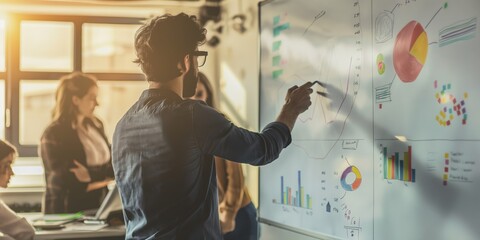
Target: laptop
{"type": "Point", "coordinates": [111, 203]}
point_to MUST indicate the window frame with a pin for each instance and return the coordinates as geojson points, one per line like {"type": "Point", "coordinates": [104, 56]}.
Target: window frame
{"type": "Point", "coordinates": [14, 74]}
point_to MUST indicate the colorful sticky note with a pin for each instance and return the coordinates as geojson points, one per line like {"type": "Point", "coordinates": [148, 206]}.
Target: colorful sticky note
{"type": "Point", "coordinates": [276, 74]}
{"type": "Point", "coordinates": [276, 60]}
{"type": "Point", "coordinates": [276, 45]}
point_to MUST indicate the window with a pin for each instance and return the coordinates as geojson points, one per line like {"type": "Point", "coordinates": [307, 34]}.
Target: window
{"type": "Point", "coordinates": [37, 98]}
{"type": "Point", "coordinates": [2, 108]}
{"type": "Point", "coordinates": [2, 78]}
{"type": "Point", "coordinates": [2, 45]}
{"type": "Point", "coordinates": [109, 48]}
{"type": "Point", "coordinates": [44, 48]}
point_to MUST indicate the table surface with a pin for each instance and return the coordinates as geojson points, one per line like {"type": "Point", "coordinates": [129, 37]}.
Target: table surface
{"type": "Point", "coordinates": [76, 230]}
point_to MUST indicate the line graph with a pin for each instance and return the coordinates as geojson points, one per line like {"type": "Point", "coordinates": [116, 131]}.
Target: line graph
{"type": "Point", "coordinates": [341, 128]}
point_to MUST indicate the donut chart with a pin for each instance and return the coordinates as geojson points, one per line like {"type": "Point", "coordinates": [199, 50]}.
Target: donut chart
{"type": "Point", "coordinates": [410, 51]}
{"type": "Point", "coordinates": [356, 183]}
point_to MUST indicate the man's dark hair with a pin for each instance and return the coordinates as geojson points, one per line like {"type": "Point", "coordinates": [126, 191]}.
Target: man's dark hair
{"type": "Point", "coordinates": [163, 41]}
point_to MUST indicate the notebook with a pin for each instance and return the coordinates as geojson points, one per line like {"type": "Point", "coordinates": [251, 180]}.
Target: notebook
{"type": "Point", "coordinates": [55, 221]}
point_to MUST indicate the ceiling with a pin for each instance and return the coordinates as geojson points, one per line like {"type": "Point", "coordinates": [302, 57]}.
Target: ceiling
{"type": "Point", "coordinates": [105, 7]}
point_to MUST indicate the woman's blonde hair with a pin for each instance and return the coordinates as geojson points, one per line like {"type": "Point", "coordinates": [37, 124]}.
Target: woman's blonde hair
{"type": "Point", "coordinates": [74, 84]}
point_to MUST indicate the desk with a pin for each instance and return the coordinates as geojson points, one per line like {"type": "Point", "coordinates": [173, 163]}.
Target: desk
{"type": "Point", "coordinates": [110, 232]}
{"type": "Point", "coordinates": [76, 230]}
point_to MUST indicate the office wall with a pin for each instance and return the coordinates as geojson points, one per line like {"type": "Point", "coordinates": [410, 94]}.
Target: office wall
{"type": "Point", "coordinates": [238, 73]}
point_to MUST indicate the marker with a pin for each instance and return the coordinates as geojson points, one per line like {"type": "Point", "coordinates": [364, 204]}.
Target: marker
{"type": "Point", "coordinates": [321, 84]}
{"type": "Point", "coordinates": [322, 94]}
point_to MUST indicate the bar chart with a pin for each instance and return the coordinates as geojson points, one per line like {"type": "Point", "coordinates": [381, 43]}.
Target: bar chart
{"type": "Point", "coordinates": [291, 197]}
{"type": "Point", "coordinates": [395, 168]}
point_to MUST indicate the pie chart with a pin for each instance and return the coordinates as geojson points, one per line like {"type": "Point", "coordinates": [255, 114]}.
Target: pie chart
{"type": "Point", "coordinates": [410, 51]}
{"type": "Point", "coordinates": [356, 183]}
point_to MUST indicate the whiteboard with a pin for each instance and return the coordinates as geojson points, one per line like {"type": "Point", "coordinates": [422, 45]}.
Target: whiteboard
{"type": "Point", "coordinates": [392, 154]}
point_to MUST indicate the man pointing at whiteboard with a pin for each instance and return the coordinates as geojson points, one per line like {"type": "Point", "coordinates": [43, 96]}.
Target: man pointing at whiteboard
{"type": "Point", "coordinates": [163, 147]}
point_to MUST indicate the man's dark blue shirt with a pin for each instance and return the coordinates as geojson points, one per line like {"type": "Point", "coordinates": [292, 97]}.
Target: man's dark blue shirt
{"type": "Point", "coordinates": [162, 155]}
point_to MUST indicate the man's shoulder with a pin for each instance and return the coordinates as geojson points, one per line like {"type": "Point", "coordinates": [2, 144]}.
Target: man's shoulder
{"type": "Point", "coordinates": [190, 103]}
{"type": "Point", "coordinates": [199, 106]}
{"type": "Point", "coordinates": [186, 105]}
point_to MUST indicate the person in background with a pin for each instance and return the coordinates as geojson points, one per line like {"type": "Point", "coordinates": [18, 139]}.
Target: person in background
{"type": "Point", "coordinates": [75, 150]}
{"type": "Point", "coordinates": [163, 146]}
{"type": "Point", "coordinates": [238, 215]}
{"type": "Point", "coordinates": [12, 226]}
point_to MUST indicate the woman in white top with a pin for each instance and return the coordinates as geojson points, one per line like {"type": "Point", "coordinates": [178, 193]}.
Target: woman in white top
{"type": "Point", "coordinates": [12, 226]}
{"type": "Point", "coordinates": [75, 150]}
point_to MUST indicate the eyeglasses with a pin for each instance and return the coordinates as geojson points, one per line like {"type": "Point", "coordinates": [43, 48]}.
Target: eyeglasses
{"type": "Point", "coordinates": [201, 57]}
